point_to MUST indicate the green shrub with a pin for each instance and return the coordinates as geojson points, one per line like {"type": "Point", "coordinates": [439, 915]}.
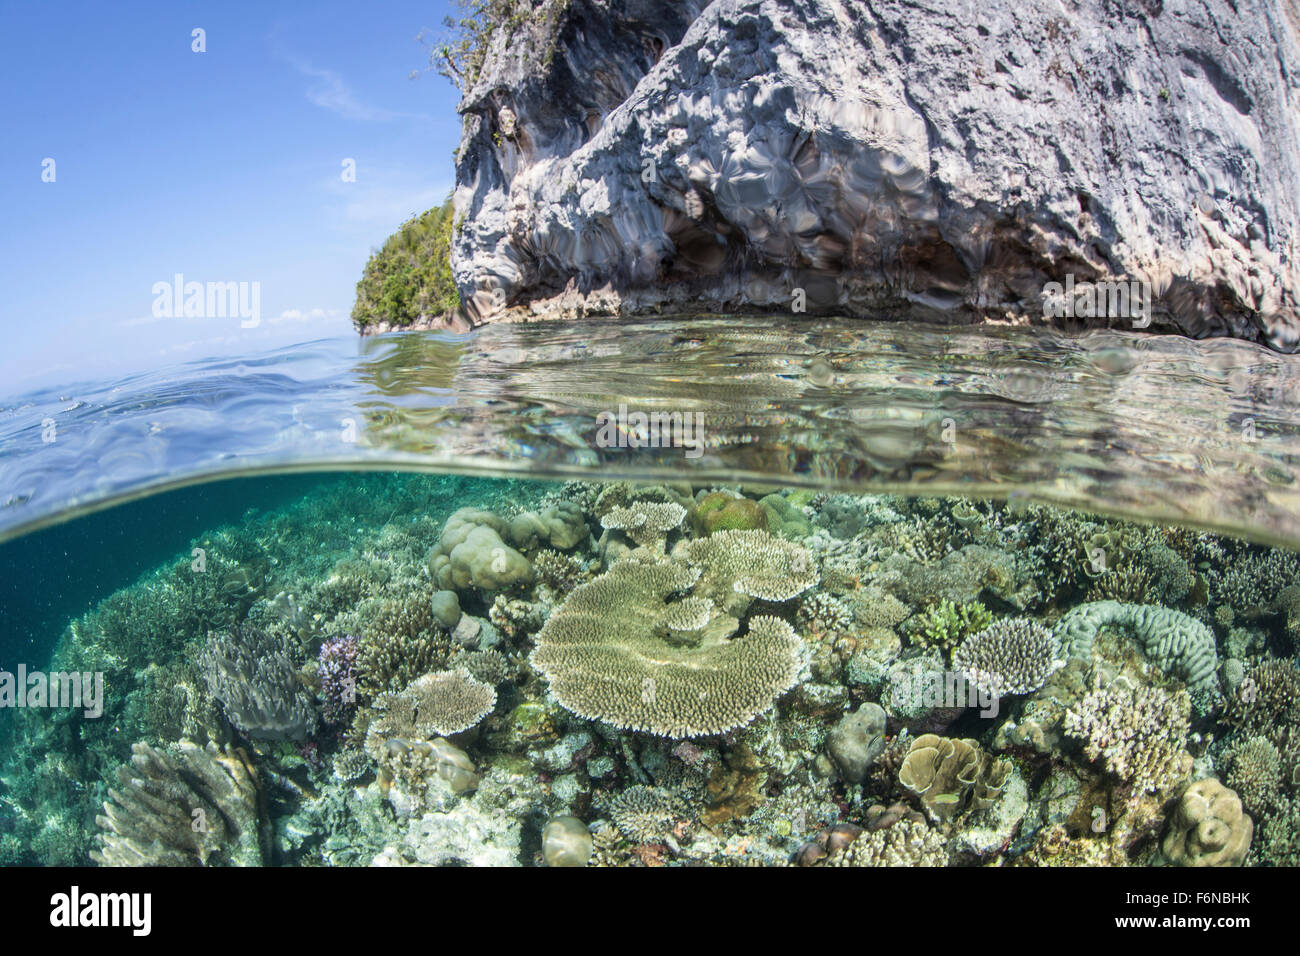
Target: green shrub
{"type": "Point", "coordinates": [410, 276]}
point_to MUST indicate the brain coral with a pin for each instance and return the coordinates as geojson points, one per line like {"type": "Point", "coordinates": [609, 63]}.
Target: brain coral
{"type": "Point", "coordinates": [1180, 644]}
{"type": "Point", "coordinates": [618, 650]}
{"type": "Point", "coordinates": [1011, 656]}
{"type": "Point", "coordinates": [470, 552]}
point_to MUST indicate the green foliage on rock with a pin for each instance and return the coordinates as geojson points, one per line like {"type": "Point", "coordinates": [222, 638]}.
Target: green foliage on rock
{"type": "Point", "coordinates": [410, 277]}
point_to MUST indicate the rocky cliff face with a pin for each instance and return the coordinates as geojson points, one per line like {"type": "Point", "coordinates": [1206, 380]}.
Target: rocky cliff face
{"type": "Point", "coordinates": [887, 158]}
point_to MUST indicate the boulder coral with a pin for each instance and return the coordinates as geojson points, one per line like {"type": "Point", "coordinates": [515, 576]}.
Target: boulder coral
{"type": "Point", "coordinates": [472, 553]}
{"type": "Point", "coordinates": [1208, 827]}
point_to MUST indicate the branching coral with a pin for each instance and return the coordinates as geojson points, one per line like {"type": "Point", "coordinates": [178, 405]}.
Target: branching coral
{"type": "Point", "coordinates": [255, 680]}
{"type": "Point", "coordinates": [609, 654]}
{"type": "Point", "coordinates": [1268, 698]}
{"type": "Point", "coordinates": [947, 624]}
{"type": "Point", "coordinates": [1254, 772]}
{"type": "Point", "coordinates": [1137, 734]}
{"type": "Point", "coordinates": [337, 669]}
{"type": "Point", "coordinates": [197, 806]}
{"type": "Point", "coordinates": [1012, 656]}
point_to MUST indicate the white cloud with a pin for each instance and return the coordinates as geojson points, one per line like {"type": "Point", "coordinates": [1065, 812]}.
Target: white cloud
{"type": "Point", "coordinates": [330, 91]}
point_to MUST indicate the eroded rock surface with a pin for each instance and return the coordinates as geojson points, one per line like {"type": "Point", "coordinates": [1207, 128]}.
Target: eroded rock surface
{"type": "Point", "coordinates": [889, 157]}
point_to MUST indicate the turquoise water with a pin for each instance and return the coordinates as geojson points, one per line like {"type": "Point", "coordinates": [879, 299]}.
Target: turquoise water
{"type": "Point", "coordinates": [910, 596]}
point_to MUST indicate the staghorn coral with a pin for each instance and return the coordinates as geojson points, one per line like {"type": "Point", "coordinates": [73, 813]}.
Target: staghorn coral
{"type": "Point", "coordinates": [950, 775]}
{"type": "Point", "coordinates": [252, 676]}
{"type": "Point", "coordinates": [737, 567]}
{"type": "Point", "coordinates": [1012, 656]}
{"type": "Point", "coordinates": [193, 806]}
{"type": "Point", "coordinates": [434, 705]}
{"type": "Point", "coordinates": [1179, 644]}
{"type": "Point", "coordinates": [1137, 734]}
{"type": "Point", "coordinates": [1208, 827]}
{"type": "Point", "coordinates": [608, 654]}
{"type": "Point", "coordinates": [1279, 836]}
{"type": "Point", "coordinates": [1252, 583]}
{"type": "Point", "coordinates": [388, 662]}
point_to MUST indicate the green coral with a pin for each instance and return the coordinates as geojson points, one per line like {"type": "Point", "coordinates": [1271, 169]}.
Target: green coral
{"type": "Point", "coordinates": [947, 624]}
{"type": "Point", "coordinates": [720, 511]}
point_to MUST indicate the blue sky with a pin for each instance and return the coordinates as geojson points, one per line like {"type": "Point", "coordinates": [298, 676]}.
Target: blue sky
{"type": "Point", "coordinates": [222, 166]}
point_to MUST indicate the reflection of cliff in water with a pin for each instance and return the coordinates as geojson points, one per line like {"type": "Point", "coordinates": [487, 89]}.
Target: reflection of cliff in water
{"type": "Point", "coordinates": [1150, 426]}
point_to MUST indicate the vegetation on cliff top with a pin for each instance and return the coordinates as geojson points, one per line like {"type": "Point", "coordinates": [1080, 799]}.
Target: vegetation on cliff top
{"type": "Point", "coordinates": [410, 276]}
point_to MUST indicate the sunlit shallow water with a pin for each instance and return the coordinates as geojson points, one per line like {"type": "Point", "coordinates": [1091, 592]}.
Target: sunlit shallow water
{"type": "Point", "coordinates": [1154, 427]}
{"type": "Point", "coordinates": [909, 661]}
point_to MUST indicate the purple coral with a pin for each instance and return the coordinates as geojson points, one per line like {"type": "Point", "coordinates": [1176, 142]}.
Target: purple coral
{"type": "Point", "coordinates": [338, 679]}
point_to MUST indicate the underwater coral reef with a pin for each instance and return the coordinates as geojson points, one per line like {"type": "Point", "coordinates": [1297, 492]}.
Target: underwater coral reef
{"type": "Point", "coordinates": [405, 670]}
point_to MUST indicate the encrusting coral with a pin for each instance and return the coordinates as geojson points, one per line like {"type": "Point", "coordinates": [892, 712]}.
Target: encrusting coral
{"type": "Point", "coordinates": [197, 806]}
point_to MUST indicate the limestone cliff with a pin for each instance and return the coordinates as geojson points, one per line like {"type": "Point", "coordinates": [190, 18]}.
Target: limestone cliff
{"type": "Point", "coordinates": [887, 158]}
